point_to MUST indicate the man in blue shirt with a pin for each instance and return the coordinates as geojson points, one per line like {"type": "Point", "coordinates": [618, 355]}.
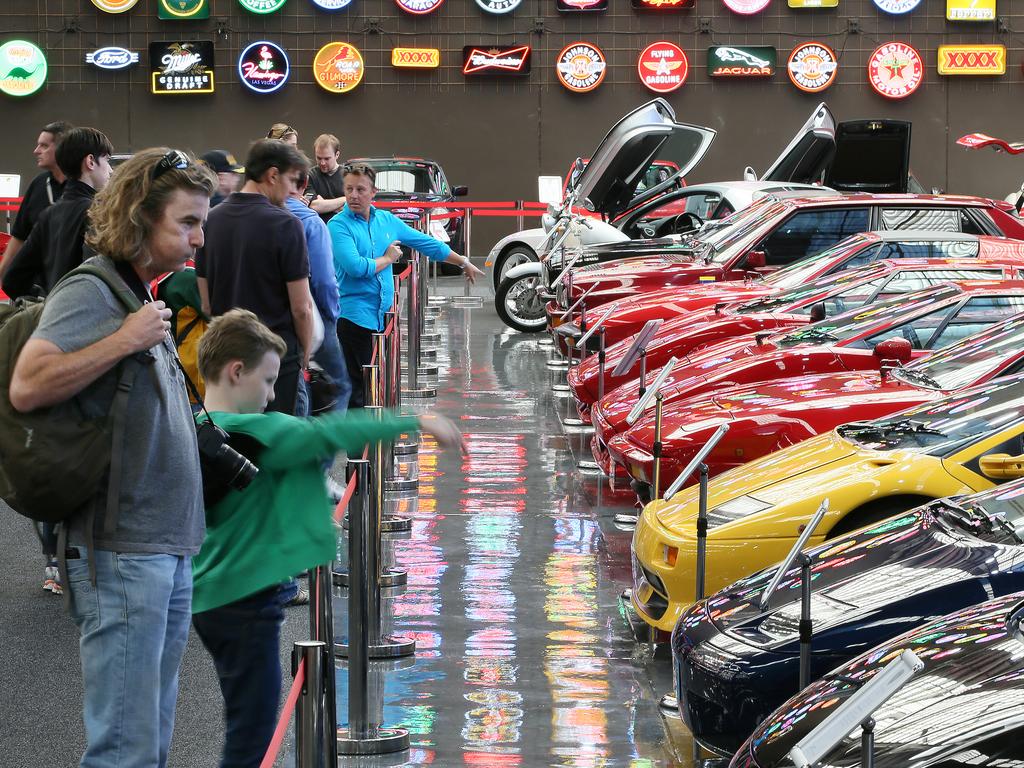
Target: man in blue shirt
{"type": "Point", "coordinates": [365, 242]}
{"type": "Point", "coordinates": [324, 286]}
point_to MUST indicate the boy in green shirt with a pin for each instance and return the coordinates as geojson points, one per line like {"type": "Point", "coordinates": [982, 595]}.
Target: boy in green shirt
{"type": "Point", "coordinates": [279, 525]}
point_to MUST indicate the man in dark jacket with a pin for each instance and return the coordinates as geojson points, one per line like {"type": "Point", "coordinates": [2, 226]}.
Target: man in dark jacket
{"type": "Point", "coordinates": [56, 245]}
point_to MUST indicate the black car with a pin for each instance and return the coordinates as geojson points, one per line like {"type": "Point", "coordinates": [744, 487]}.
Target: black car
{"type": "Point", "coordinates": [736, 663]}
{"type": "Point", "coordinates": [414, 179]}
{"type": "Point", "coordinates": [965, 708]}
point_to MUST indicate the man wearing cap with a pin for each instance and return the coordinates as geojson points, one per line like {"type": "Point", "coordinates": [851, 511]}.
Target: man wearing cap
{"type": "Point", "coordinates": [229, 173]}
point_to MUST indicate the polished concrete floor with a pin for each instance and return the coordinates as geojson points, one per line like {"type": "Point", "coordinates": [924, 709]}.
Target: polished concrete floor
{"type": "Point", "coordinates": [515, 568]}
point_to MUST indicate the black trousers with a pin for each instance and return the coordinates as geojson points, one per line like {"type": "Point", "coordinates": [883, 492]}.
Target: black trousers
{"type": "Point", "coordinates": [357, 344]}
{"type": "Point", "coordinates": [286, 388]}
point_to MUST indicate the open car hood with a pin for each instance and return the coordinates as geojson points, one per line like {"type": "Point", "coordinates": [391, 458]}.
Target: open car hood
{"type": "Point", "coordinates": [618, 164]}
{"type": "Point", "coordinates": [852, 156]}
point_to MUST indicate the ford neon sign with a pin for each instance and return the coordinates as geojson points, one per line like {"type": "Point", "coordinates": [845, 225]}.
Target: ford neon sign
{"type": "Point", "coordinates": [112, 57]}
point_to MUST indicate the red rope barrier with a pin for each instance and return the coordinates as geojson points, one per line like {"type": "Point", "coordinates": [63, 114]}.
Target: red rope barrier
{"type": "Point", "coordinates": [390, 329]}
{"type": "Point", "coordinates": [350, 488]}
{"type": "Point", "coordinates": [286, 715]}
{"type": "Point", "coordinates": [405, 274]}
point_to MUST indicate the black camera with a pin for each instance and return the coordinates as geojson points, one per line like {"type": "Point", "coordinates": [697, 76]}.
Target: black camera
{"type": "Point", "coordinates": [223, 467]}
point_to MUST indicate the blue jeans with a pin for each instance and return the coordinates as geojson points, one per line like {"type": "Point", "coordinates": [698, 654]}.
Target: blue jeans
{"type": "Point", "coordinates": [330, 358]}
{"type": "Point", "coordinates": [134, 626]}
{"type": "Point", "coordinates": [244, 638]}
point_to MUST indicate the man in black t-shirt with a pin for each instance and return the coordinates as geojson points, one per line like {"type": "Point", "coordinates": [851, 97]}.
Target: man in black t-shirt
{"type": "Point", "coordinates": [42, 192]}
{"type": "Point", "coordinates": [326, 192]}
{"type": "Point", "coordinates": [255, 258]}
{"type": "Point", "coordinates": [57, 243]}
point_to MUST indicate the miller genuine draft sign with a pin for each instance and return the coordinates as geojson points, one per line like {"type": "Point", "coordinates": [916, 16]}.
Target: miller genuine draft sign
{"type": "Point", "coordinates": [741, 61]}
{"type": "Point", "coordinates": [812, 67]}
{"type": "Point", "coordinates": [661, 5]}
{"type": "Point", "coordinates": [181, 67]}
{"type": "Point", "coordinates": [895, 70]}
{"type": "Point", "coordinates": [415, 58]}
{"type": "Point", "coordinates": [581, 67]}
{"type": "Point", "coordinates": [971, 10]}
{"type": "Point", "coordinates": [22, 68]}
{"type": "Point", "coordinates": [813, 3]}
{"type": "Point", "coordinates": [662, 67]}
{"type": "Point", "coordinates": [338, 67]}
{"type": "Point", "coordinates": [183, 9]}
{"type": "Point", "coordinates": [495, 60]}
{"type": "Point", "coordinates": [972, 59]}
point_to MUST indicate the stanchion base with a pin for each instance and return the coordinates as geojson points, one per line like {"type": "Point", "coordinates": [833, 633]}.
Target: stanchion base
{"type": "Point", "coordinates": [669, 704]}
{"type": "Point", "coordinates": [390, 578]}
{"type": "Point", "coordinates": [625, 521]}
{"type": "Point", "coordinates": [423, 392]}
{"type": "Point", "coordinates": [577, 425]}
{"type": "Point", "coordinates": [388, 524]}
{"type": "Point", "coordinates": [436, 300]}
{"type": "Point", "coordinates": [467, 302]}
{"type": "Point", "coordinates": [384, 741]}
{"type": "Point", "coordinates": [405, 449]}
{"type": "Point", "coordinates": [545, 341]}
{"type": "Point", "coordinates": [430, 338]}
{"type": "Point", "coordinates": [558, 365]}
{"type": "Point", "coordinates": [427, 370]}
{"type": "Point", "coordinates": [431, 312]}
{"type": "Point", "coordinates": [391, 648]}
{"type": "Point", "coordinates": [587, 467]}
{"type": "Point", "coordinates": [401, 484]}
{"type": "Point", "coordinates": [561, 389]}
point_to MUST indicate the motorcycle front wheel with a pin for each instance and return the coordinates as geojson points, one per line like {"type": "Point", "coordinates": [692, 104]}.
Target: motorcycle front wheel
{"type": "Point", "coordinates": [519, 304]}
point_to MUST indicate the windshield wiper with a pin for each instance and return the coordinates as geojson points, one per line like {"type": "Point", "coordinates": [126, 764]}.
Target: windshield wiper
{"type": "Point", "coordinates": [917, 377]}
{"type": "Point", "coordinates": [990, 522]}
{"type": "Point", "coordinates": [998, 521]}
{"type": "Point", "coordinates": [911, 426]}
{"type": "Point", "coordinates": [819, 334]}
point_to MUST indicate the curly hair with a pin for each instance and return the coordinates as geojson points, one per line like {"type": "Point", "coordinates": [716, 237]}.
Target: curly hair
{"type": "Point", "coordinates": [125, 211]}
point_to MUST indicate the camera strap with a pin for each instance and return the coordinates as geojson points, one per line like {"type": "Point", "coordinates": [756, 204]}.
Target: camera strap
{"type": "Point", "coordinates": [193, 388]}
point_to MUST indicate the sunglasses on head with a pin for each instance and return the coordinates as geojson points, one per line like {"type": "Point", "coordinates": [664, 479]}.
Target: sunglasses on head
{"type": "Point", "coordinates": [175, 160]}
{"type": "Point", "coordinates": [360, 168]}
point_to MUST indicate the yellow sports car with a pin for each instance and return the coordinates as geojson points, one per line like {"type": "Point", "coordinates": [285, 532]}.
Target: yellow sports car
{"type": "Point", "coordinates": [867, 471]}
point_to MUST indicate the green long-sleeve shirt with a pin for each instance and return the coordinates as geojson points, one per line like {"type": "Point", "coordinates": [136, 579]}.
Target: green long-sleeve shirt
{"type": "Point", "coordinates": [281, 524]}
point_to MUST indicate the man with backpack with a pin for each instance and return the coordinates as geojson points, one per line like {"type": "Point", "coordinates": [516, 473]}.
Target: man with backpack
{"type": "Point", "coordinates": [100, 361]}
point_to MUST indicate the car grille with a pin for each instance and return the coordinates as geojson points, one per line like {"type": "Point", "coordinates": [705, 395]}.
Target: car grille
{"type": "Point", "coordinates": [657, 604]}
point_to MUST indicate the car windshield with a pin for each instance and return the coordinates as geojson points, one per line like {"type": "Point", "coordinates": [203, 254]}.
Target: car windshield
{"type": "Point", "coordinates": [408, 178]}
{"type": "Point", "coordinates": [852, 324]}
{"type": "Point", "coordinates": [743, 226]}
{"type": "Point", "coordinates": [943, 427]}
{"type": "Point", "coordinates": [970, 360]}
{"type": "Point", "coordinates": [799, 273]}
{"type": "Point", "coordinates": [996, 515]}
{"type": "Point", "coordinates": [826, 285]}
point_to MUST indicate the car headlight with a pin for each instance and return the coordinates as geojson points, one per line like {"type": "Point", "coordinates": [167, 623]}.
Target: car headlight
{"type": "Point", "coordinates": [734, 509]}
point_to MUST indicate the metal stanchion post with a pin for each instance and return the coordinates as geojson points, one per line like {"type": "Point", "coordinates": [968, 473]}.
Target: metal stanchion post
{"type": "Point", "coordinates": [600, 365]}
{"type": "Point", "coordinates": [656, 449]}
{"type": "Point", "coordinates": [643, 371]}
{"type": "Point", "coordinates": [309, 709]}
{"type": "Point", "coordinates": [388, 523]}
{"type": "Point", "coordinates": [413, 324]}
{"type": "Point", "coordinates": [362, 737]}
{"type": "Point", "coordinates": [321, 625]}
{"type": "Point", "coordinates": [520, 225]}
{"type": "Point", "coordinates": [583, 329]}
{"type": "Point", "coordinates": [466, 300]}
{"type": "Point", "coordinates": [806, 625]}
{"type": "Point", "coordinates": [867, 742]}
{"type": "Point", "coordinates": [702, 531]}
{"type": "Point", "coordinates": [364, 579]}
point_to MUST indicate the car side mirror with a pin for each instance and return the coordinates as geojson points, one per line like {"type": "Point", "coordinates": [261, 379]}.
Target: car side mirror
{"type": "Point", "coordinates": [460, 191]}
{"type": "Point", "coordinates": [1002, 466]}
{"type": "Point", "coordinates": [756, 260]}
{"type": "Point", "coordinates": [892, 351]}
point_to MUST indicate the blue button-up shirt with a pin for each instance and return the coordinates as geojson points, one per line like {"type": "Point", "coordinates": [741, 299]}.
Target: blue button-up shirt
{"type": "Point", "coordinates": [365, 295]}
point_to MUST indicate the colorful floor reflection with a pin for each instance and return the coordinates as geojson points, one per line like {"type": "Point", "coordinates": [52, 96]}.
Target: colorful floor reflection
{"type": "Point", "coordinates": [514, 574]}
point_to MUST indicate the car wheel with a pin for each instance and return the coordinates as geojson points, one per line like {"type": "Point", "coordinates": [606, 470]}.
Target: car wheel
{"type": "Point", "coordinates": [513, 257]}
{"type": "Point", "coordinates": [873, 512]}
{"type": "Point", "coordinates": [519, 304]}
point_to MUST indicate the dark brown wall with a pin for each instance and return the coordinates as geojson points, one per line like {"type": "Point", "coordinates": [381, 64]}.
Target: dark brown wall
{"type": "Point", "coordinates": [498, 136]}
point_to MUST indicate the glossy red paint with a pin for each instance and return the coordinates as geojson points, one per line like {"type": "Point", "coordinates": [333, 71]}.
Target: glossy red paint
{"type": "Point", "coordinates": [693, 331]}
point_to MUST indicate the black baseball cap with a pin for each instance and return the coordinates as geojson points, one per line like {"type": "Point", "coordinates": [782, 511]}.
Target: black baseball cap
{"type": "Point", "coordinates": [221, 161]}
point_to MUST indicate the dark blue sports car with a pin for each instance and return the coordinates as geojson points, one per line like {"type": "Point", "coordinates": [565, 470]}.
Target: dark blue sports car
{"type": "Point", "coordinates": [734, 664]}
{"type": "Point", "coordinates": [965, 708]}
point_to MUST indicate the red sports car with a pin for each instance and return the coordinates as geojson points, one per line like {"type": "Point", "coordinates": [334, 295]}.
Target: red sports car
{"type": "Point", "coordinates": [929, 319]}
{"type": "Point", "coordinates": [767, 417]}
{"type": "Point", "coordinates": [826, 296]}
{"type": "Point", "coordinates": [629, 315]}
{"type": "Point", "coordinates": [777, 231]}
